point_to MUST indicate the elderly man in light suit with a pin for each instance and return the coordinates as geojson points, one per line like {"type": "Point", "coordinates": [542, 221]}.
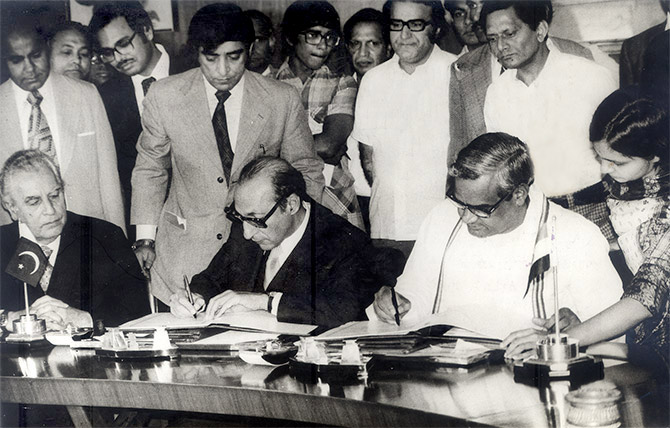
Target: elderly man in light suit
{"type": "Point", "coordinates": [205, 125]}
{"type": "Point", "coordinates": [63, 117]}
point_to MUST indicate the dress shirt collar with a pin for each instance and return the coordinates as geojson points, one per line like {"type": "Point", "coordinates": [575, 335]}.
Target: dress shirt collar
{"type": "Point", "coordinates": [22, 96]}
{"type": "Point", "coordinates": [548, 65]}
{"type": "Point", "coordinates": [25, 232]}
{"type": "Point", "coordinates": [667, 21]}
{"type": "Point", "coordinates": [161, 69]}
{"type": "Point", "coordinates": [235, 93]}
{"type": "Point", "coordinates": [426, 67]}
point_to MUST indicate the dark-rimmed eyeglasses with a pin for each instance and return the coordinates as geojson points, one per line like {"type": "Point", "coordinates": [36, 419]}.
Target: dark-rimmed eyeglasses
{"type": "Point", "coordinates": [314, 38]}
{"type": "Point", "coordinates": [414, 25]}
{"type": "Point", "coordinates": [259, 223]}
{"type": "Point", "coordinates": [481, 211]}
{"type": "Point", "coordinates": [121, 47]}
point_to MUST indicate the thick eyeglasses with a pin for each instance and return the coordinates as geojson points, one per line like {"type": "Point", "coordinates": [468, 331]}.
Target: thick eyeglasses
{"type": "Point", "coordinates": [259, 223]}
{"type": "Point", "coordinates": [414, 25]}
{"type": "Point", "coordinates": [481, 211]}
{"type": "Point", "coordinates": [314, 38]}
{"type": "Point", "coordinates": [121, 47]}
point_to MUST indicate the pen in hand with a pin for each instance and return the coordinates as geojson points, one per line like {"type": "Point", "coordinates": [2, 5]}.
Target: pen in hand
{"type": "Point", "coordinates": [189, 294]}
{"type": "Point", "coordinates": [394, 300]}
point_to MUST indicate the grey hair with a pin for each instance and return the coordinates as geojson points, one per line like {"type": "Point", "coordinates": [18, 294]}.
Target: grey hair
{"type": "Point", "coordinates": [27, 161]}
{"type": "Point", "coordinates": [498, 154]}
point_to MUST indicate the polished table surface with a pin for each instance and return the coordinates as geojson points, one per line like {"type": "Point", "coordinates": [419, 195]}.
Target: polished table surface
{"type": "Point", "coordinates": [224, 384]}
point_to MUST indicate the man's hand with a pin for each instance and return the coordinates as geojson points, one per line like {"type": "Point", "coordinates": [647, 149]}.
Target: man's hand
{"type": "Point", "coordinates": [59, 314]}
{"type": "Point", "coordinates": [233, 301]}
{"type": "Point", "coordinates": [146, 255]}
{"type": "Point", "coordinates": [521, 344]}
{"type": "Point", "coordinates": [182, 308]}
{"type": "Point", "coordinates": [383, 305]}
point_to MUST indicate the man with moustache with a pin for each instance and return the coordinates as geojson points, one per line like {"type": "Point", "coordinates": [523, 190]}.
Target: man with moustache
{"type": "Point", "coordinates": [126, 42]}
{"type": "Point", "coordinates": [200, 128]}
{"type": "Point", "coordinates": [366, 36]}
{"type": "Point", "coordinates": [260, 57]}
{"type": "Point", "coordinates": [547, 98]}
{"type": "Point", "coordinates": [64, 117]}
{"type": "Point", "coordinates": [402, 123]}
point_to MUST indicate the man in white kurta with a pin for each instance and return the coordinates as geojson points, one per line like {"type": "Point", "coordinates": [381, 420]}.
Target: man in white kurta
{"type": "Point", "coordinates": [484, 271]}
{"type": "Point", "coordinates": [402, 115]}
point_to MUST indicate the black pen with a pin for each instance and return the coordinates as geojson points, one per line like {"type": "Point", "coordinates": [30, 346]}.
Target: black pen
{"type": "Point", "coordinates": [189, 294]}
{"type": "Point", "coordinates": [394, 300]}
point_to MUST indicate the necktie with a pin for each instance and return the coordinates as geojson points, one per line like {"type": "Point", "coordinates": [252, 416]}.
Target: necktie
{"type": "Point", "coordinates": [46, 277]}
{"type": "Point", "coordinates": [39, 134]}
{"type": "Point", "coordinates": [146, 83]}
{"type": "Point", "coordinates": [271, 268]}
{"type": "Point", "coordinates": [260, 276]}
{"type": "Point", "coordinates": [221, 134]}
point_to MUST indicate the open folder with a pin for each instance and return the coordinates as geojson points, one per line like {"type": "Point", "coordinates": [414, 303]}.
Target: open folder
{"type": "Point", "coordinates": [253, 320]}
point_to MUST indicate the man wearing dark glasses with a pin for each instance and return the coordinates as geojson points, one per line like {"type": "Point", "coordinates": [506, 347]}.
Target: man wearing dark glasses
{"type": "Point", "coordinates": [478, 250]}
{"type": "Point", "coordinates": [286, 254]}
{"type": "Point", "coordinates": [402, 123]}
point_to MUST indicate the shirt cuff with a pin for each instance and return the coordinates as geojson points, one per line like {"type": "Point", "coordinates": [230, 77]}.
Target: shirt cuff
{"type": "Point", "coordinates": [276, 296]}
{"type": "Point", "coordinates": [145, 231]}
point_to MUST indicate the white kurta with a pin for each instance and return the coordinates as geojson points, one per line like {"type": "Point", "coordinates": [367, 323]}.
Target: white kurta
{"type": "Point", "coordinates": [552, 116]}
{"type": "Point", "coordinates": [486, 278]}
{"type": "Point", "coordinates": [405, 118]}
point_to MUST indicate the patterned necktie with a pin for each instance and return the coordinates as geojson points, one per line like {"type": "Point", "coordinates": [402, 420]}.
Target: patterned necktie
{"type": "Point", "coordinates": [39, 134]}
{"type": "Point", "coordinates": [146, 84]}
{"type": "Point", "coordinates": [221, 134]}
{"type": "Point", "coordinates": [46, 277]}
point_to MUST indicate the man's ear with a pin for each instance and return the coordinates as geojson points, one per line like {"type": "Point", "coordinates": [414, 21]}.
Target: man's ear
{"type": "Point", "coordinates": [293, 203]}
{"type": "Point", "coordinates": [148, 33]}
{"type": "Point", "coordinates": [10, 208]}
{"type": "Point", "coordinates": [520, 194]}
{"type": "Point", "coordinates": [542, 31]}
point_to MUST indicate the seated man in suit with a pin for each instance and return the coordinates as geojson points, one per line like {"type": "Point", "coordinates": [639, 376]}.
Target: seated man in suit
{"type": "Point", "coordinates": [200, 128]}
{"type": "Point", "coordinates": [286, 254]}
{"type": "Point", "coordinates": [92, 272]}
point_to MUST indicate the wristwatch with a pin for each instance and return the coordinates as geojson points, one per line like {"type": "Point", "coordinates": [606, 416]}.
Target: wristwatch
{"type": "Point", "coordinates": [270, 297]}
{"type": "Point", "coordinates": [143, 243]}
{"type": "Point", "coordinates": [3, 318]}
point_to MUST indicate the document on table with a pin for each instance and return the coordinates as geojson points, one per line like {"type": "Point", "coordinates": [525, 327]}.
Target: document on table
{"type": "Point", "coordinates": [356, 329]}
{"type": "Point", "coordinates": [256, 320]}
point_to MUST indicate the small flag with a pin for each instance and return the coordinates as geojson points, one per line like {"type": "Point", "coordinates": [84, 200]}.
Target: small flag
{"type": "Point", "coordinates": [28, 262]}
{"type": "Point", "coordinates": [541, 264]}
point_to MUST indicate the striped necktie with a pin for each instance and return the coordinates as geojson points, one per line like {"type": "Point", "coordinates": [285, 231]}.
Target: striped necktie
{"type": "Point", "coordinates": [39, 134]}
{"type": "Point", "coordinates": [46, 277]}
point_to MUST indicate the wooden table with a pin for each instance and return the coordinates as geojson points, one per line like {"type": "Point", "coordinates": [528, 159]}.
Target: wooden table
{"type": "Point", "coordinates": [224, 384]}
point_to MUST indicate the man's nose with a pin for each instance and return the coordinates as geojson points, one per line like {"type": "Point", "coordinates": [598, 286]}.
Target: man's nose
{"type": "Point", "coordinates": [249, 230]}
{"type": "Point", "coordinates": [605, 167]}
{"type": "Point", "coordinates": [467, 216]}
{"type": "Point", "coordinates": [405, 33]}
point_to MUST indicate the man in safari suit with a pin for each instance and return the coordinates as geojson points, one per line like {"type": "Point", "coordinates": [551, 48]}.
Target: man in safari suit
{"type": "Point", "coordinates": [68, 122]}
{"type": "Point", "coordinates": [204, 125]}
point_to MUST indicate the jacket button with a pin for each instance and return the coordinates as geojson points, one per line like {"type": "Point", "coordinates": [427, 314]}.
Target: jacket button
{"type": "Point", "coordinates": [219, 236]}
{"type": "Point", "coordinates": [220, 179]}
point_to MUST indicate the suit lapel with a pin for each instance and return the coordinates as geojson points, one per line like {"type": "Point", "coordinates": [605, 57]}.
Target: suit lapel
{"type": "Point", "coordinates": [69, 121]}
{"type": "Point", "coordinates": [198, 119]}
{"type": "Point", "coordinates": [11, 125]}
{"type": "Point", "coordinates": [299, 261]}
{"type": "Point", "coordinates": [253, 116]}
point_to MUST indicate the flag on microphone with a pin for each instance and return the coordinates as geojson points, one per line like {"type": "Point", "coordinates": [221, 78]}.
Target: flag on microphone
{"type": "Point", "coordinates": [28, 262]}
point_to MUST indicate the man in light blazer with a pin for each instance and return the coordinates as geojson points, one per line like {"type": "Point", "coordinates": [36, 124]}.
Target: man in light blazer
{"type": "Point", "coordinates": [204, 125]}
{"type": "Point", "coordinates": [68, 121]}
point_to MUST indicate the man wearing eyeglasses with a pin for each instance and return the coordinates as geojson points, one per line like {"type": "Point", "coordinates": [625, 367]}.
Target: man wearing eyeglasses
{"type": "Point", "coordinates": [286, 254]}
{"type": "Point", "coordinates": [200, 128]}
{"type": "Point", "coordinates": [312, 30]}
{"type": "Point", "coordinates": [63, 117]}
{"type": "Point", "coordinates": [126, 42]}
{"type": "Point", "coordinates": [477, 250]}
{"type": "Point", "coordinates": [547, 99]}
{"type": "Point", "coordinates": [402, 123]}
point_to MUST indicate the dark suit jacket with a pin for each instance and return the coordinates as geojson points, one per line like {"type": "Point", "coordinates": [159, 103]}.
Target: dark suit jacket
{"type": "Point", "coordinates": [470, 79]}
{"type": "Point", "coordinates": [326, 280]}
{"type": "Point", "coordinates": [95, 271]}
{"type": "Point", "coordinates": [632, 54]}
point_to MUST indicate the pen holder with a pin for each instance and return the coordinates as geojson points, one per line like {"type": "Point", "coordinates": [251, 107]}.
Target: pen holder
{"type": "Point", "coordinates": [562, 348]}
{"type": "Point", "coordinates": [29, 325]}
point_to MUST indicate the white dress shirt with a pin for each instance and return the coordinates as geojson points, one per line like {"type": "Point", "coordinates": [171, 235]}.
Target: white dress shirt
{"type": "Point", "coordinates": [160, 71]}
{"type": "Point", "coordinates": [25, 232]}
{"type": "Point", "coordinates": [281, 252]}
{"type": "Point", "coordinates": [48, 106]}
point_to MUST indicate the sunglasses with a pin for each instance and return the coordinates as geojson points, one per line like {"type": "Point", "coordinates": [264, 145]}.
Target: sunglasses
{"type": "Point", "coordinates": [259, 223]}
